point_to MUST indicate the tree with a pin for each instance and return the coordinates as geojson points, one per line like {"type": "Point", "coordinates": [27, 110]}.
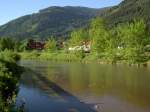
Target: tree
{"type": "Point", "coordinates": [134, 38]}
{"type": "Point", "coordinates": [78, 36]}
{"type": "Point", "coordinates": [51, 44]}
{"type": "Point", "coordinates": [6, 43]}
{"type": "Point", "coordinates": [98, 35]}
{"type": "Point", "coordinates": [112, 52]}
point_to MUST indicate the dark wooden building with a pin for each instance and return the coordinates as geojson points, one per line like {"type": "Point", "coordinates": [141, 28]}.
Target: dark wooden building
{"type": "Point", "coordinates": [32, 44]}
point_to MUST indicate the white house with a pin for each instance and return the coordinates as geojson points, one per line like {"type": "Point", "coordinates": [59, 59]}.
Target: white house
{"type": "Point", "coordinates": [86, 47]}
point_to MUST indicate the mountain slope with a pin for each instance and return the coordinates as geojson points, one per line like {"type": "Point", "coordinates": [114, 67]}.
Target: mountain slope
{"type": "Point", "coordinates": [128, 10]}
{"type": "Point", "coordinates": [57, 21]}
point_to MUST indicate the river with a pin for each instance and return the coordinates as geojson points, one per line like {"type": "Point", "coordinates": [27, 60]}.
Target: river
{"type": "Point", "coordinates": [76, 87]}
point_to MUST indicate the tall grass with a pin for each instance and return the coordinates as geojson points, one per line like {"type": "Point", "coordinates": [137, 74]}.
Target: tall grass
{"type": "Point", "coordinates": [52, 56]}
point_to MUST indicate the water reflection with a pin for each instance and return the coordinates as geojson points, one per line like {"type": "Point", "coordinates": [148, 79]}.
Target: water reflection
{"type": "Point", "coordinates": [73, 87]}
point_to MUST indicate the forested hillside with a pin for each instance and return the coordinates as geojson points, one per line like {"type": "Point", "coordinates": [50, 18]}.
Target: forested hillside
{"type": "Point", "coordinates": [56, 21]}
{"type": "Point", "coordinates": [60, 21]}
{"type": "Point", "coordinates": [128, 10]}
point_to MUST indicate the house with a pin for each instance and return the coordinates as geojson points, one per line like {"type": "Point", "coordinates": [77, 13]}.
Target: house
{"type": "Point", "coordinates": [85, 46]}
{"type": "Point", "coordinates": [76, 48]}
{"type": "Point", "coordinates": [32, 44]}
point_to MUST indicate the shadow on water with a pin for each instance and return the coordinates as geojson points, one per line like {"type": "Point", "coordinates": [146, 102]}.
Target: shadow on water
{"type": "Point", "coordinates": [71, 103]}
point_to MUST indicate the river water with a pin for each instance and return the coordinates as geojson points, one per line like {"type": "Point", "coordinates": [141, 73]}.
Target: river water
{"type": "Point", "coordinates": [75, 87]}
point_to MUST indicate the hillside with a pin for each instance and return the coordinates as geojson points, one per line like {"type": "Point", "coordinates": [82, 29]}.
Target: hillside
{"type": "Point", "coordinates": [129, 10]}
{"type": "Point", "coordinates": [60, 21]}
{"type": "Point", "coordinates": [57, 21]}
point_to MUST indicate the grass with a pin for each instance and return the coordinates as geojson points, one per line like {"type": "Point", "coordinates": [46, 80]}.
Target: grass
{"type": "Point", "coordinates": [52, 56]}
{"type": "Point", "coordinates": [76, 57]}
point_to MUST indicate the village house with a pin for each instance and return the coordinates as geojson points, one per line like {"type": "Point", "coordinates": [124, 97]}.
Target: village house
{"type": "Point", "coordinates": [32, 44]}
{"type": "Point", "coordinates": [85, 46]}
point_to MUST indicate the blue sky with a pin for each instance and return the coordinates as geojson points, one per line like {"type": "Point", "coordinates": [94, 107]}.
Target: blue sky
{"type": "Point", "coordinates": [11, 9]}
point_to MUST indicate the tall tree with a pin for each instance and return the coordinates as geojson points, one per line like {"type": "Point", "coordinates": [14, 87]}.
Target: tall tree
{"type": "Point", "coordinates": [134, 38]}
{"type": "Point", "coordinates": [78, 36]}
{"type": "Point", "coordinates": [51, 44]}
{"type": "Point", "coordinates": [98, 35]}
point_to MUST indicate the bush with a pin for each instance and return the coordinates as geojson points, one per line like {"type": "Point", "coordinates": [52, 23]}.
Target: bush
{"type": "Point", "coordinates": [9, 78]}
{"type": "Point", "coordinates": [9, 56]}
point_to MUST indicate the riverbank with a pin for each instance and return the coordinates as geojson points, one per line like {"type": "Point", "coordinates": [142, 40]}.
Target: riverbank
{"type": "Point", "coordinates": [10, 74]}
{"type": "Point", "coordinates": [79, 57]}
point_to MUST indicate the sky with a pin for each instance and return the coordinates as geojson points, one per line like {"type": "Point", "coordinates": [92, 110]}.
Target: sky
{"type": "Point", "coordinates": [12, 9]}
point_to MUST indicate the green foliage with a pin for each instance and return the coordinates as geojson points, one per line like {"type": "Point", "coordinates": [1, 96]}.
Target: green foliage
{"type": "Point", "coordinates": [78, 36]}
{"type": "Point", "coordinates": [60, 21]}
{"type": "Point", "coordinates": [20, 46]}
{"type": "Point", "coordinates": [125, 42]}
{"type": "Point", "coordinates": [12, 44]}
{"type": "Point", "coordinates": [127, 11]}
{"type": "Point", "coordinates": [9, 56]}
{"type": "Point", "coordinates": [104, 41]}
{"type": "Point", "coordinates": [133, 38]}
{"type": "Point", "coordinates": [29, 55]}
{"type": "Point", "coordinates": [9, 78]}
{"type": "Point", "coordinates": [57, 21]}
{"type": "Point", "coordinates": [98, 34]}
{"type": "Point", "coordinates": [6, 43]}
{"type": "Point", "coordinates": [51, 44]}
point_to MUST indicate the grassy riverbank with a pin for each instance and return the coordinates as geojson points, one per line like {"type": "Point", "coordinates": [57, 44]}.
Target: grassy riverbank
{"type": "Point", "coordinates": [10, 74]}
{"type": "Point", "coordinates": [79, 57]}
{"type": "Point", "coordinates": [51, 56]}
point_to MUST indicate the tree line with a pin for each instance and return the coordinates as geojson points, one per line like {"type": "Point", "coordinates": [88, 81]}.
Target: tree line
{"type": "Point", "coordinates": [125, 42]}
